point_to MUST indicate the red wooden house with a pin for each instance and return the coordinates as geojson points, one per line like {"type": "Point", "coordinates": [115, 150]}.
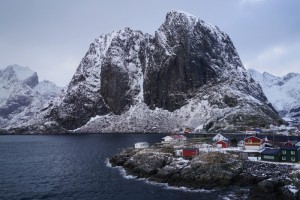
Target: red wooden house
{"type": "Point", "coordinates": [253, 143]}
{"type": "Point", "coordinates": [290, 143]}
{"type": "Point", "coordinates": [190, 152]}
{"type": "Point", "coordinates": [222, 144]}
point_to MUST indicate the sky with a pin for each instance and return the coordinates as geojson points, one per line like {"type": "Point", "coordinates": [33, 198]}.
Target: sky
{"type": "Point", "coordinates": [52, 36]}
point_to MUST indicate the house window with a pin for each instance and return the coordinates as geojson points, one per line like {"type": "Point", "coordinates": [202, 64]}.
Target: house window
{"type": "Point", "coordinates": [293, 159]}
{"type": "Point", "coordinates": [293, 152]}
{"type": "Point", "coordinates": [283, 151]}
{"type": "Point", "coordinates": [268, 157]}
{"type": "Point", "coordinates": [283, 158]}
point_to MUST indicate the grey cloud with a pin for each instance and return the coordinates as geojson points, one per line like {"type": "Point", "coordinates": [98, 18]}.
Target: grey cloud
{"type": "Point", "coordinates": [53, 35]}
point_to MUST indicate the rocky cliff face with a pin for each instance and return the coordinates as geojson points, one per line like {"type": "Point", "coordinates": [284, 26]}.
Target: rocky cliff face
{"type": "Point", "coordinates": [282, 92]}
{"type": "Point", "coordinates": [21, 95]}
{"type": "Point", "coordinates": [187, 74]}
{"type": "Point", "coordinates": [188, 54]}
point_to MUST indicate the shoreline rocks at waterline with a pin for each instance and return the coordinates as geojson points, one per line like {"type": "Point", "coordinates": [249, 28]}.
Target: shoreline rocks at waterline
{"type": "Point", "coordinates": [210, 170]}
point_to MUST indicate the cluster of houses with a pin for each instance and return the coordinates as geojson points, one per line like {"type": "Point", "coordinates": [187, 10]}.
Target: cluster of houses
{"type": "Point", "coordinates": [275, 148]}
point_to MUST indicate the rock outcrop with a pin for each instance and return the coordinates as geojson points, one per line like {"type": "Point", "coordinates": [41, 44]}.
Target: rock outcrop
{"type": "Point", "coordinates": [209, 171]}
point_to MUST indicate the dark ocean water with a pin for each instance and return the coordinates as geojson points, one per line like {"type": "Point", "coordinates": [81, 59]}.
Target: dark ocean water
{"type": "Point", "coordinates": [75, 167]}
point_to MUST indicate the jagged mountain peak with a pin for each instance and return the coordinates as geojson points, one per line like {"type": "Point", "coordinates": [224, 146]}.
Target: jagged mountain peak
{"type": "Point", "coordinates": [188, 73]}
{"type": "Point", "coordinates": [20, 71]}
{"type": "Point", "coordinates": [290, 76]}
{"type": "Point", "coordinates": [270, 77]}
{"type": "Point", "coordinates": [180, 18]}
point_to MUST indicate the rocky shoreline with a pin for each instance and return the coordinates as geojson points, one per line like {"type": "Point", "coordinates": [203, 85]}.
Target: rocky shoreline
{"type": "Point", "coordinates": [211, 170]}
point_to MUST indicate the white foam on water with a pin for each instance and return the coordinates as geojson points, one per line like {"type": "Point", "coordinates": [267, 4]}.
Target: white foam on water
{"type": "Point", "coordinates": [145, 180]}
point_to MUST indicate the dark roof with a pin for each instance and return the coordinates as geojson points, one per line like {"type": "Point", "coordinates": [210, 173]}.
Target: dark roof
{"type": "Point", "coordinates": [271, 152]}
{"type": "Point", "coordinates": [191, 149]}
{"type": "Point", "coordinates": [283, 138]}
{"type": "Point", "coordinates": [293, 142]}
{"type": "Point", "coordinates": [290, 148]}
{"type": "Point", "coordinates": [224, 141]}
{"type": "Point", "coordinates": [238, 137]}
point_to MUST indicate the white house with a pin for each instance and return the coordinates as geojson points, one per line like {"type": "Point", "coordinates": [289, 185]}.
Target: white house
{"type": "Point", "coordinates": [173, 138]}
{"type": "Point", "coordinates": [219, 137]}
{"type": "Point", "coordinates": [241, 143]}
{"type": "Point", "coordinates": [141, 145]}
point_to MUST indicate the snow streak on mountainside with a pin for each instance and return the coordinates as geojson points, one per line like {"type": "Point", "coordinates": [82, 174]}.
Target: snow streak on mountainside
{"type": "Point", "coordinates": [22, 95]}
{"type": "Point", "coordinates": [282, 92]}
{"type": "Point", "coordinates": [187, 74]}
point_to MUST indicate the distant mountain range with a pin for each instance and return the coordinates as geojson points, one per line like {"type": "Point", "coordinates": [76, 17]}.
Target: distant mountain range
{"type": "Point", "coordinates": [282, 92]}
{"type": "Point", "coordinates": [22, 95]}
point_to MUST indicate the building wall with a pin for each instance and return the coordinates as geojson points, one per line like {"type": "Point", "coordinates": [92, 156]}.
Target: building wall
{"type": "Point", "coordinates": [252, 147]}
{"type": "Point", "coordinates": [287, 156]}
{"type": "Point", "coordinates": [221, 144]}
{"type": "Point", "coordinates": [189, 153]}
{"type": "Point", "coordinates": [141, 145]}
{"type": "Point", "coordinates": [273, 158]}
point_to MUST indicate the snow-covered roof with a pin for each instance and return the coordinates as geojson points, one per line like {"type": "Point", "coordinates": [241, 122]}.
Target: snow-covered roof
{"type": "Point", "coordinates": [271, 151]}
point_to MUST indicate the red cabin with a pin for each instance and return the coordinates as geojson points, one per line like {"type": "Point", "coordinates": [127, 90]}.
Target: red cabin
{"type": "Point", "coordinates": [290, 143]}
{"type": "Point", "coordinates": [253, 143]}
{"type": "Point", "coordinates": [222, 144]}
{"type": "Point", "coordinates": [252, 140]}
{"type": "Point", "coordinates": [190, 152]}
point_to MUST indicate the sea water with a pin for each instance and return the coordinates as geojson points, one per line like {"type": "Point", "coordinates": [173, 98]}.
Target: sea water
{"type": "Point", "coordinates": [76, 167]}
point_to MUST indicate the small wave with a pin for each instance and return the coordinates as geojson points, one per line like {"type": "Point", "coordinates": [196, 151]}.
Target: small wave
{"type": "Point", "coordinates": [168, 187]}
{"type": "Point", "coordinates": [163, 185]}
{"type": "Point", "coordinates": [233, 195]}
{"type": "Point", "coordinates": [124, 174]}
{"type": "Point", "coordinates": [121, 170]}
{"type": "Point", "coordinates": [107, 163]}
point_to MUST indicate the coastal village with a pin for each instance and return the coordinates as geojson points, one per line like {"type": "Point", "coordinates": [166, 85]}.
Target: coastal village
{"type": "Point", "coordinates": [275, 144]}
{"type": "Point", "coordinates": [262, 163]}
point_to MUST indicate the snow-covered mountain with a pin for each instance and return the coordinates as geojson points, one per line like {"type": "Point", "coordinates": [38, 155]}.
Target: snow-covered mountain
{"type": "Point", "coordinates": [187, 75]}
{"type": "Point", "coordinates": [22, 95]}
{"type": "Point", "coordinates": [282, 92]}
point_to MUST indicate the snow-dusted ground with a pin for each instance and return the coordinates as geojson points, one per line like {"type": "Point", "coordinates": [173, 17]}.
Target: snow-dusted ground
{"type": "Point", "coordinates": [196, 113]}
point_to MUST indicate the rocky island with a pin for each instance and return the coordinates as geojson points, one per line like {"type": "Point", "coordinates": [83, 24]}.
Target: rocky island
{"type": "Point", "coordinates": [211, 170]}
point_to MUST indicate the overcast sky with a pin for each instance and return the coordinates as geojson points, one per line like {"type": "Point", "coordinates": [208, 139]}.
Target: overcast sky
{"type": "Point", "coordinates": [52, 36]}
